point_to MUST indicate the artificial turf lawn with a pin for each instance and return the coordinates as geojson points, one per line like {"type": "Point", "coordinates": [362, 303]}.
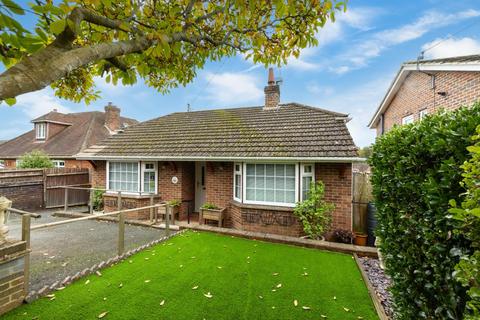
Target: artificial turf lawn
{"type": "Point", "coordinates": [235, 271]}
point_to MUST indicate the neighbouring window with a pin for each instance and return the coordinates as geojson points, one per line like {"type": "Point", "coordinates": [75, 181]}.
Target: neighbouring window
{"type": "Point", "coordinates": [407, 119]}
{"type": "Point", "coordinates": [149, 177]}
{"type": "Point", "coordinates": [40, 130]}
{"type": "Point", "coordinates": [18, 162]}
{"type": "Point", "coordinates": [123, 176]}
{"type": "Point", "coordinates": [270, 183]}
{"type": "Point", "coordinates": [58, 163]}
{"type": "Point", "coordinates": [2, 164]}
{"type": "Point", "coordinates": [307, 171]}
{"type": "Point", "coordinates": [422, 113]}
{"type": "Point", "coordinates": [237, 191]}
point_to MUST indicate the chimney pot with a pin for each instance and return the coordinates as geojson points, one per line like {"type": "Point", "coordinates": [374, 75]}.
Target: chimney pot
{"type": "Point", "coordinates": [112, 117]}
{"type": "Point", "coordinates": [272, 92]}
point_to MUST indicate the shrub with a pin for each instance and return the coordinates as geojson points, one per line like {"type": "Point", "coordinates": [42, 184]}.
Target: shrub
{"type": "Point", "coordinates": [174, 203]}
{"type": "Point", "coordinates": [98, 200]}
{"type": "Point", "coordinates": [35, 159]}
{"type": "Point", "coordinates": [208, 205]}
{"type": "Point", "coordinates": [467, 270]}
{"type": "Point", "coordinates": [415, 172]}
{"type": "Point", "coordinates": [343, 236]}
{"type": "Point", "coordinates": [315, 213]}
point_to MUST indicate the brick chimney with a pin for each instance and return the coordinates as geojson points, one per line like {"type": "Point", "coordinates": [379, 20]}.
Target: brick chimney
{"type": "Point", "coordinates": [272, 92]}
{"type": "Point", "coordinates": [112, 117]}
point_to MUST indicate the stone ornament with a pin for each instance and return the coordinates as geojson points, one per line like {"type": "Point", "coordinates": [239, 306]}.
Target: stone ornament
{"type": "Point", "coordinates": [4, 205]}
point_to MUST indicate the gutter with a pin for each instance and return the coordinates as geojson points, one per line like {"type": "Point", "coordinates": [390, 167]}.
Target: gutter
{"type": "Point", "coordinates": [201, 158]}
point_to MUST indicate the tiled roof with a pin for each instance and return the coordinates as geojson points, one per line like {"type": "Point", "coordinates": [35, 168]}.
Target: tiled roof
{"type": "Point", "coordinates": [81, 131]}
{"type": "Point", "coordinates": [293, 130]}
{"type": "Point", "coordinates": [475, 58]}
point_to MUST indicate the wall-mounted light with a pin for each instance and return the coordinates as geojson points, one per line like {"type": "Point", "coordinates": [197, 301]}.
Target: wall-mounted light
{"type": "Point", "coordinates": [442, 93]}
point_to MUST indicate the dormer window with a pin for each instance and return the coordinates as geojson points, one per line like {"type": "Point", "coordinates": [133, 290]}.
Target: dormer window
{"type": "Point", "coordinates": [41, 131]}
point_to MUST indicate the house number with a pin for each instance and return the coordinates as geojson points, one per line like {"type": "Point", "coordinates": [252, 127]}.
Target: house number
{"type": "Point", "coordinates": [174, 180]}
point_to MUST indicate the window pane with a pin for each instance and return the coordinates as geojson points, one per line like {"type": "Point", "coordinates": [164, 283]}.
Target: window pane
{"type": "Point", "coordinates": [250, 194]}
{"type": "Point", "coordinates": [259, 194]}
{"type": "Point", "coordinates": [290, 170]}
{"type": "Point", "coordinates": [250, 169]}
{"type": "Point", "coordinates": [290, 184]}
{"type": "Point", "coordinates": [279, 196]}
{"type": "Point", "coordinates": [260, 170]}
{"type": "Point", "coordinates": [270, 170]}
{"type": "Point", "coordinates": [250, 181]}
{"type": "Point", "coordinates": [270, 195]}
{"type": "Point", "coordinates": [290, 196]}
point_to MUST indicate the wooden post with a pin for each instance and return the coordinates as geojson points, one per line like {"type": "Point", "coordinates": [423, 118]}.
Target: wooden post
{"type": "Point", "coordinates": [26, 237]}
{"type": "Point", "coordinates": [119, 201]}
{"type": "Point", "coordinates": [156, 214]}
{"type": "Point", "coordinates": [167, 220]}
{"type": "Point", "coordinates": [65, 208]}
{"type": "Point", "coordinates": [91, 200]}
{"type": "Point", "coordinates": [151, 209]}
{"type": "Point", "coordinates": [121, 233]}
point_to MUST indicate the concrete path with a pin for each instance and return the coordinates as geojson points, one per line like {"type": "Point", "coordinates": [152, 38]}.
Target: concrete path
{"type": "Point", "coordinates": [61, 251]}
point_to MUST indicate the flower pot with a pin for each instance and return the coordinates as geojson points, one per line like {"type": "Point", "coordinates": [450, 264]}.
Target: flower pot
{"type": "Point", "coordinates": [360, 240]}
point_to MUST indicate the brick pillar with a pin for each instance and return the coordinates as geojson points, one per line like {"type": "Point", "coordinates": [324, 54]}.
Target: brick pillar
{"type": "Point", "coordinates": [12, 275]}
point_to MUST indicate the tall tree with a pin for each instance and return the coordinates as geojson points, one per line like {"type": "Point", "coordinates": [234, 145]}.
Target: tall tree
{"type": "Point", "coordinates": [162, 41]}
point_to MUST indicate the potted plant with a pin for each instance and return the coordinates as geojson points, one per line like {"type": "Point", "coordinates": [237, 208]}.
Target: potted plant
{"type": "Point", "coordinates": [209, 211]}
{"type": "Point", "coordinates": [360, 239]}
{"type": "Point", "coordinates": [315, 213]}
{"type": "Point", "coordinates": [175, 205]}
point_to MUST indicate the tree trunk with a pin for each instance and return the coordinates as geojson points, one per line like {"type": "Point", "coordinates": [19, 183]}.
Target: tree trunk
{"type": "Point", "coordinates": [54, 62]}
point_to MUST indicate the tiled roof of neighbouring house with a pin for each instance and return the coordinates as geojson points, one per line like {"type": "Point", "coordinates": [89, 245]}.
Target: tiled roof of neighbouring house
{"type": "Point", "coordinates": [452, 60]}
{"type": "Point", "coordinates": [292, 130]}
{"type": "Point", "coordinates": [81, 130]}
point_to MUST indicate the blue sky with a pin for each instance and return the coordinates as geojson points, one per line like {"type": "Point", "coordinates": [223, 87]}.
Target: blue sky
{"type": "Point", "coordinates": [348, 72]}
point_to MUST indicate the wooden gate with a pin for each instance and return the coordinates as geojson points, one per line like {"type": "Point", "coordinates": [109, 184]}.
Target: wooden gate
{"type": "Point", "coordinates": [56, 178]}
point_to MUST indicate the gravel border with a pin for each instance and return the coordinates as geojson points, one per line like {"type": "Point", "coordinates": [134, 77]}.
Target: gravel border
{"type": "Point", "coordinates": [60, 285]}
{"type": "Point", "coordinates": [380, 282]}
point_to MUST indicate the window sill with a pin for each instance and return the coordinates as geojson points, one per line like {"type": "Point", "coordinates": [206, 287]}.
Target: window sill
{"type": "Point", "coordinates": [261, 206]}
{"type": "Point", "coordinates": [131, 195]}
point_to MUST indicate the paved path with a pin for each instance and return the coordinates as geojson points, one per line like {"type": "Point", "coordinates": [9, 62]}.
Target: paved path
{"type": "Point", "coordinates": [63, 250]}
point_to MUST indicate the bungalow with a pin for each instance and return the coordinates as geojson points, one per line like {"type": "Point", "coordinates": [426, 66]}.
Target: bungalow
{"type": "Point", "coordinates": [256, 162]}
{"type": "Point", "coordinates": [425, 86]}
{"type": "Point", "coordinates": [61, 136]}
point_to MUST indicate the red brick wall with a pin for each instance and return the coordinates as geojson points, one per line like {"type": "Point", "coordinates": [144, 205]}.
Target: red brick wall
{"type": "Point", "coordinates": [129, 202]}
{"type": "Point", "coordinates": [99, 174]}
{"type": "Point", "coordinates": [10, 164]}
{"type": "Point", "coordinates": [415, 94]}
{"type": "Point", "coordinates": [337, 178]}
{"type": "Point", "coordinates": [219, 186]}
{"type": "Point", "coordinates": [23, 187]}
{"type": "Point", "coordinates": [69, 163]}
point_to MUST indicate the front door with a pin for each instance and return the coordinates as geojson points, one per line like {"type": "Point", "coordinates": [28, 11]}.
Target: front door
{"type": "Point", "coordinates": [199, 185]}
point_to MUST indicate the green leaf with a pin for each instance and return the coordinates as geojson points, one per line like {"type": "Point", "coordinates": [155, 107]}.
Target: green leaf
{"type": "Point", "coordinates": [12, 6]}
{"type": "Point", "coordinates": [11, 101]}
{"type": "Point", "coordinates": [58, 26]}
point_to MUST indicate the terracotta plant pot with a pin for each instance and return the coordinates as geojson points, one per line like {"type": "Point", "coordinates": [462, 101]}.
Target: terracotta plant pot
{"type": "Point", "coordinates": [360, 240]}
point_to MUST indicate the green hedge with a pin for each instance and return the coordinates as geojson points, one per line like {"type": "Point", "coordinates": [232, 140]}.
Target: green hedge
{"type": "Point", "coordinates": [416, 171]}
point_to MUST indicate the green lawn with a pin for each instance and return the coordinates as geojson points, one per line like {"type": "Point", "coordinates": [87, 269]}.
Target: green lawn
{"type": "Point", "coordinates": [246, 280]}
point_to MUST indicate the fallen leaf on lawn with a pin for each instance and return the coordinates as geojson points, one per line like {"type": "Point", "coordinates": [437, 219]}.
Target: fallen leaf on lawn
{"type": "Point", "coordinates": [208, 295]}
{"type": "Point", "coordinates": [295, 303]}
{"type": "Point", "coordinates": [195, 288]}
{"type": "Point", "coordinates": [346, 309]}
{"type": "Point", "coordinates": [105, 299]}
{"type": "Point", "coordinates": [64, 264]}
{"type": "Point", "coordinates": [52, 257]}
{"type": "Point", "coordinates": [162, 302]}
{"type": "Point", "coordinates": [50, 295]}
{"type": "Point", "coordinates": [181, 266]}
{"type": "Point", "coordinates": [87, 282]}
{"type": "Point", "coordinates": [279, 285]}
{"type": "Point", "coordinates": [248, 257]}
{"type": "Point", "coordinates": [193, 257]}
{"type": "Point", "coordinates": [255, 245]}
{"type": "Point", "coordinates": [52, 298]}
{"type": "Point", "coordinates": [98, 273]}
{"type": "Point", "coordinates": [334, 298]}
{"type": "Point", "coordinates": [48, 262]}
{"type": "Point", "coordinates": [130, 261]}
{"type": "Point", "coordinates": [275, 274]}
{"type": "Point", "coordinates": [147, 281]}
{"type": "Point", "coordinates": [248, 261]}
{"type": "Point", "coordinates": [60, 288]}
{"type": "Point", "coordinates": [304, 274]}
{"type": "Point", "coordinates": [45, 253]}
{"type": "Point", "coordinates": [120, 285]}
{"type": "Point", "coordinates": [359, 317]}
{"type": "Point", "coordinates": [103, 314]}
{"type": "Point", "coordinates": [323, 316]}
{"type": "Point", "coordinates": [273, 307]}
{"type": "Point", "coordinates": [260, 297]}
{"type": "Point", "coordinates": [219, 267]}
{"type": "Point", "coordinates": [170, 244]}
{"type": "Point", "coordinates": [273, 290]}
{"type": "Point", "coordinates": [147, 258]}
{"type": "Point", "coordinates": [305, 308]}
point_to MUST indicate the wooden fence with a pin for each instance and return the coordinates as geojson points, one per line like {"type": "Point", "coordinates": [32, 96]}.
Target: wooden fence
{"type": "Point", "coordinates": [40, 188]}
{"type": "Point", "coordinates": [362, 195]}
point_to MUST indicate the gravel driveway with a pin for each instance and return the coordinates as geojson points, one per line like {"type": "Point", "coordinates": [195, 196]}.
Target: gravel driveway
{"type": "Point", "coordinates": [61, 251]}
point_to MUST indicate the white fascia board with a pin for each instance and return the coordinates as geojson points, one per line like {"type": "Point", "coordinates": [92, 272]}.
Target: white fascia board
{"type": "Point", "coordinates": [263, 159]}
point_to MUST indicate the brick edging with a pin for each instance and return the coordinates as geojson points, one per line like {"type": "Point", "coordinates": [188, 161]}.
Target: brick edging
{"type": "Point", "coordinates": [59, 285]}
{"type": "Point", "coordinates": [308, 243]}
{"type": "Point", "coordinates": [371, 291]}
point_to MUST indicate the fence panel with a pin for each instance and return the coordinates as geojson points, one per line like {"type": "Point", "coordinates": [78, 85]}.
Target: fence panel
{"type": "Point", "coordinates": [362, 195]}
{"type": "Point", "coordinates": [57, 177]}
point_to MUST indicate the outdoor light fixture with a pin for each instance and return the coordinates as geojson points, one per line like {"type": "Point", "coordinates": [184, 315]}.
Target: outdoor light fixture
{"type": "Point", "coordinates": [442, 93]}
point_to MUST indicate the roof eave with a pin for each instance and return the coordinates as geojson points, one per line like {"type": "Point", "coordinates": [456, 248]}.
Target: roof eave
{"type": "Point", "coordinates": [226, 158]}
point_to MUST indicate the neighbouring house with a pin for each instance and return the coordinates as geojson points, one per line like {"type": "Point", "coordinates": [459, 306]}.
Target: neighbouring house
{"type": "Point", "coordinates": [256, 162]}
{"type": "Point", "coordinates": [425, 86]}
{"type": "Point", "coordinates": [61, 136]}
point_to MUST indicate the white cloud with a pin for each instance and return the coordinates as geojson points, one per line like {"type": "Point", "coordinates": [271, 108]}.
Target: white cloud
{"type": "Point", "coordinates": [232, 88]}
{"type": "Point", "coordinates": [373, 46]}
{"type": "Point", "coordinates": [316, 89]}
{"type": "Point", "coordinates": [442, 48]}
{"type": "Point", "coordinates": [35, 104]}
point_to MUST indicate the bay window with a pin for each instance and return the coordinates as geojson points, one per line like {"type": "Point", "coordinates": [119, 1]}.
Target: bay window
{"type": "Point", "coordinates": [237, 182]}
{"type": "Point", "coordinates": [132, 177]}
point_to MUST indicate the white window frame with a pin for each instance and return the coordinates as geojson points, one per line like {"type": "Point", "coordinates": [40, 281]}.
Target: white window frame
{"type": "Point", "coordinates": [41, 131]}
{"type": "Point", "coordinates": [408, 119]}
{"type": "Point", "coordinates": [141, 170]}
{"type": "Point", "coordinates": [235, 173]}
{"type": "Point", "coordinates": [305, 174]}
{"type": "Point", "coordinates": [142, 178]}
{"type": "Point", "coordinates": [17, 162]}
{"type": "Point", "coordinates": [57, 163]}
{"type": "Point", "coordinates": [269, 203]}
{"type": "Point", "coordinates": [422, 113]}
